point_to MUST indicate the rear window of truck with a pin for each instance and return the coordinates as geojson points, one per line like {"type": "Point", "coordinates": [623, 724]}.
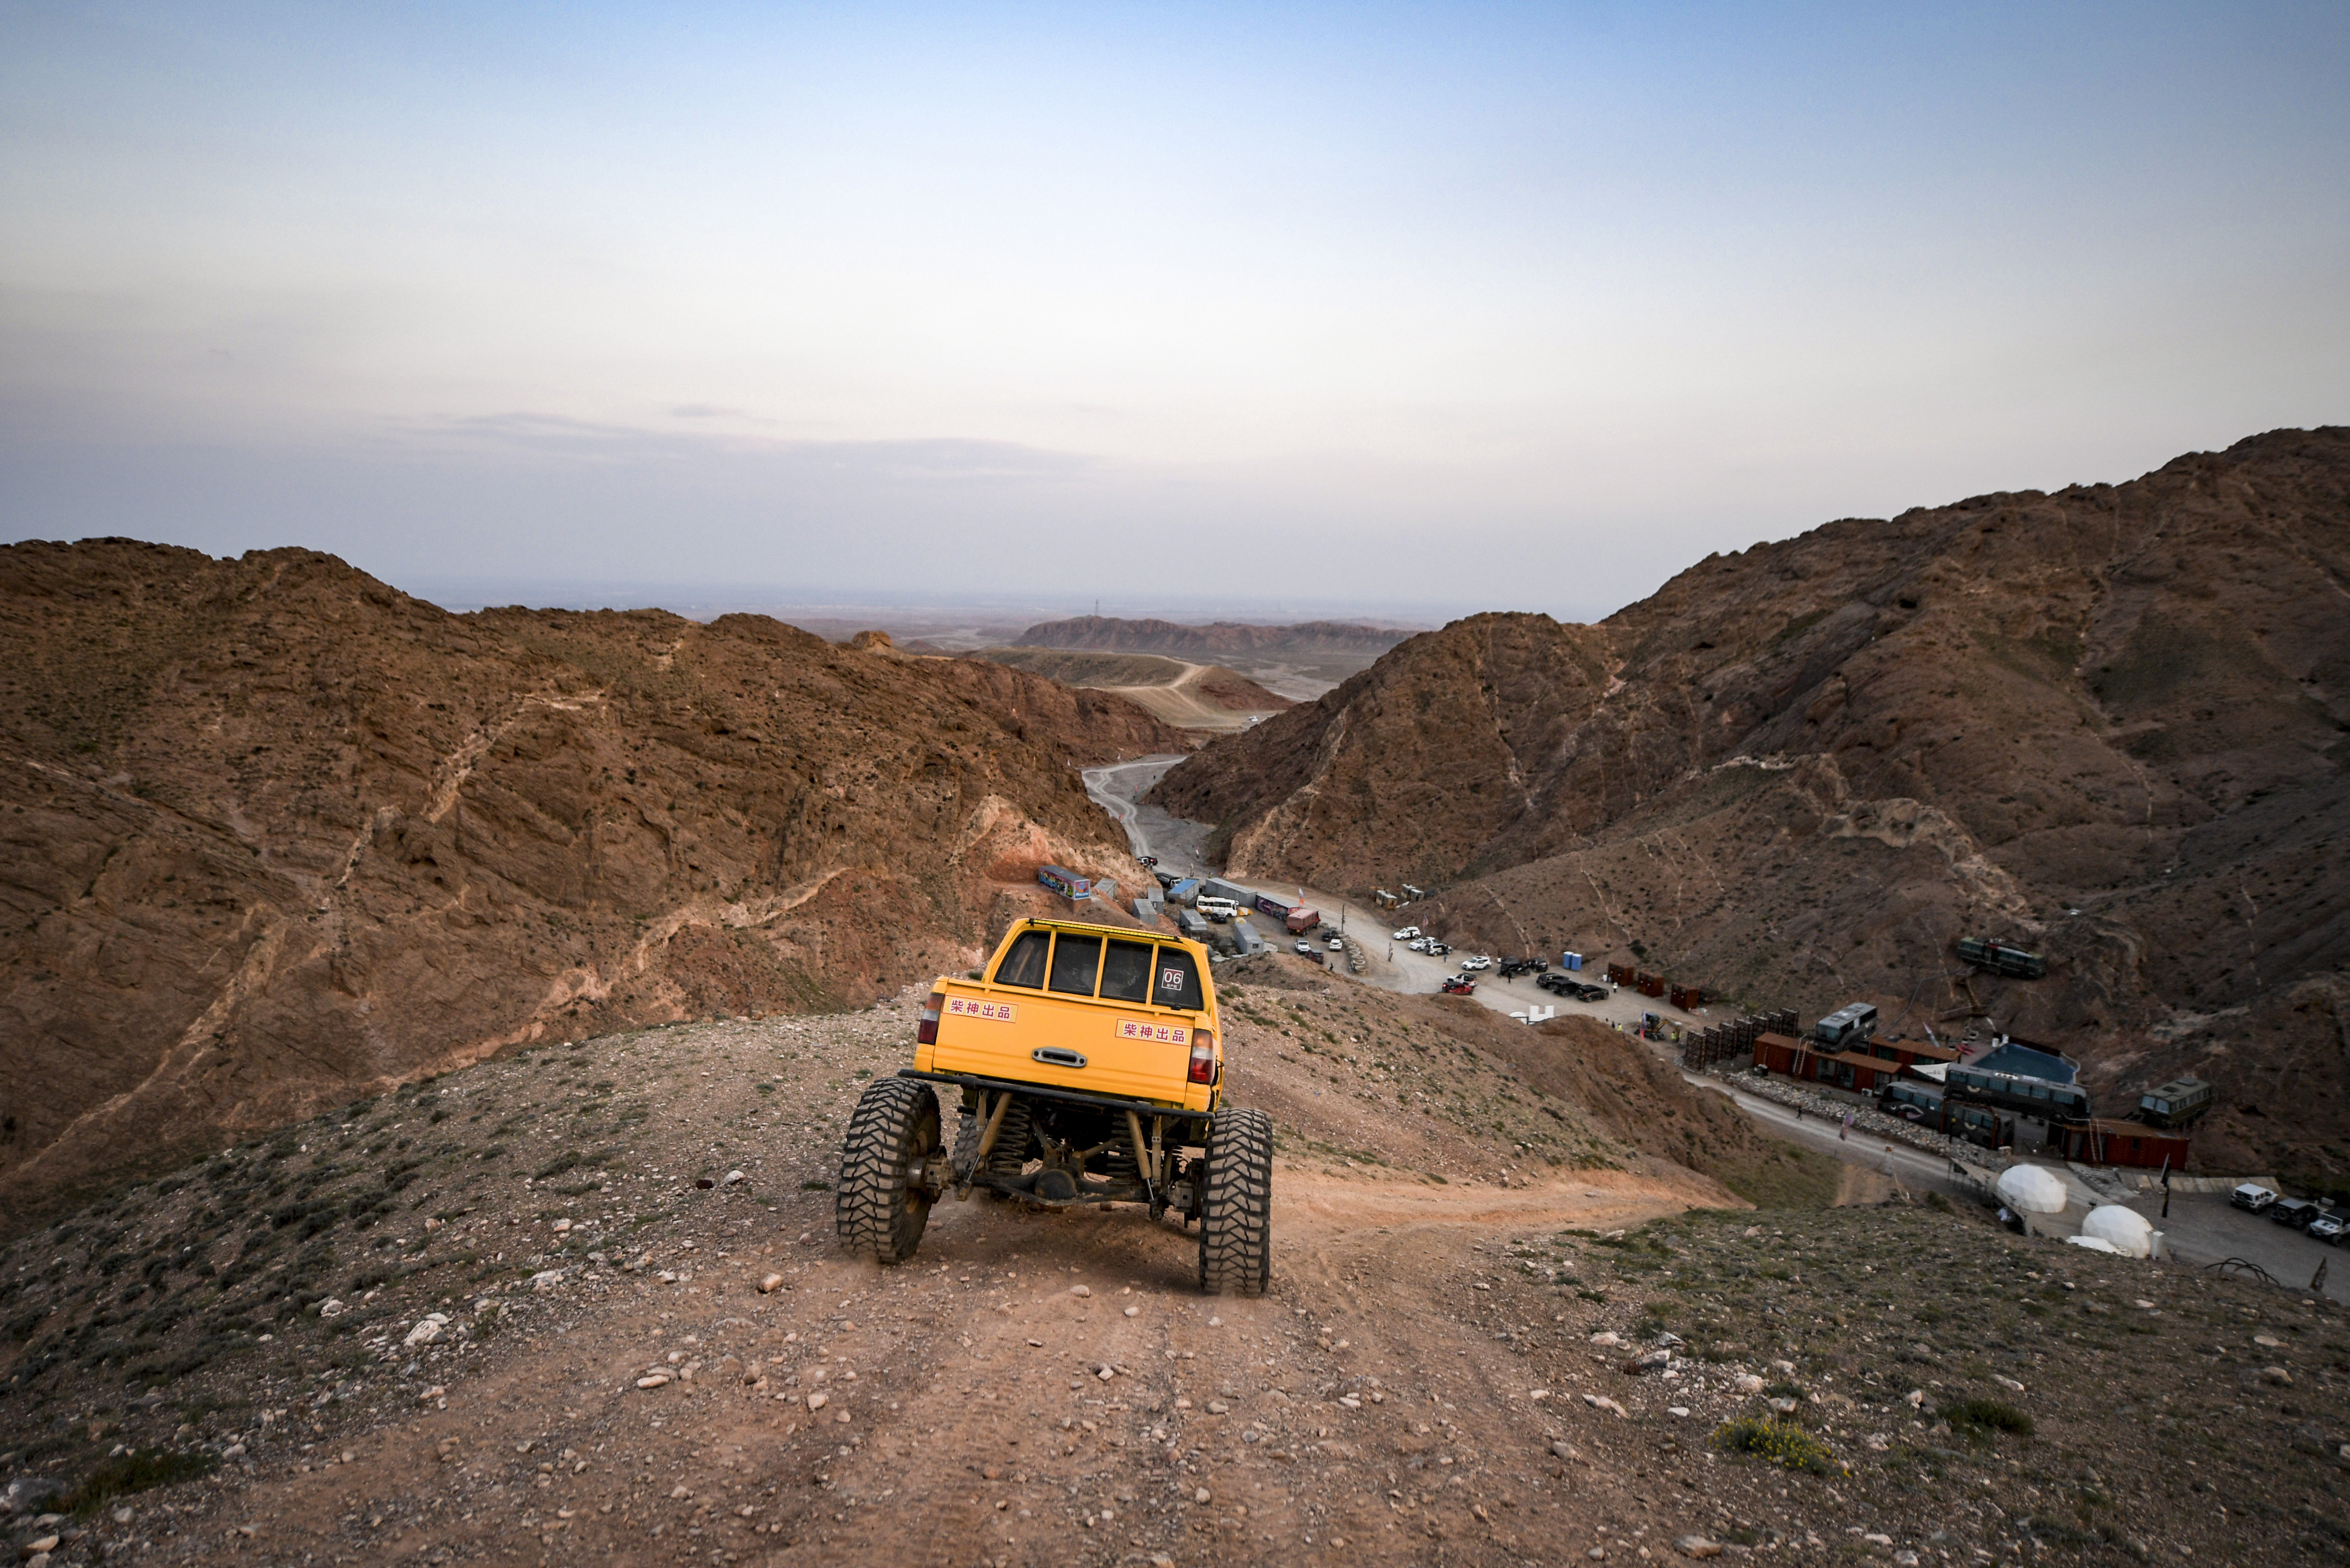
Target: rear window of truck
{"type": "Point", "coordinates": [1025, 964]}
{"type": "Point", "coordinates": [1126, 972]}
{"type": "Point", "coordinates": [1075, 961]}
{"type": "Point", "coordinates": [1175, 981]}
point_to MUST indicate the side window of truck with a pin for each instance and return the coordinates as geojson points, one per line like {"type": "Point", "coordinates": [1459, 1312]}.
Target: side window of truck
{"type": "Point", "coordinates": [1126, 972]}
{"type": "Point", "coordinates": [1075, 960]}
{"type": "Point", "coordinates": [1175, 981]}
{"type": "Point", "coordinates": [1025, 964]}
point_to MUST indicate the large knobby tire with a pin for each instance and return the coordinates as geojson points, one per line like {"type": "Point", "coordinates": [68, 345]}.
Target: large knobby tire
{"type": "Point", "coordinates": [1237, 1207]}
{"type": "Point", "coordinates": [880, 1206]}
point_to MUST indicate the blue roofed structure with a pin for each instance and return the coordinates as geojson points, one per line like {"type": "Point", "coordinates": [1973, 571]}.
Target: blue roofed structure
{"type": "Point", "coordinates": [2020, 1060]}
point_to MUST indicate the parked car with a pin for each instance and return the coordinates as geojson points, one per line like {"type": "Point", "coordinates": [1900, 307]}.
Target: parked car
{"type": "Point", "coordinates": [1417, 944]}
{"type": "Point", "coordinates": [2253, 1197]}
{"type": "Point", "coordinates": [1438, 948]}
{"type": "Point", "coordinates": [1337, 944]}
{"type": "Point", "coordinates": [1587, 992]}
{"type": "Point", "coordinates": [1407, 933]}
{"type": "Point", "coordinates": [1459, 985]}
{"type": "Point", "coordinates": [1306, 947]}
{"type": "Point", "coordinates": [2296, 1212]}
{"type": "Point", "coordinates": [2328, 1227]}
{"type": "Point", "coordinates": [1557, 984]}
{"type": "Point", "coordinates": [1481, 961]}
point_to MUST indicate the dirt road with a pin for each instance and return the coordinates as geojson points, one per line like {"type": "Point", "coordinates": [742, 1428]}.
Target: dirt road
{"type": "Point", "coordinates": [1389, 964]}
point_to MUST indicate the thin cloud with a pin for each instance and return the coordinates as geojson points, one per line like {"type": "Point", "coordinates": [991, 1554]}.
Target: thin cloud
{"type": "Point", "coordinates": [926, 457]}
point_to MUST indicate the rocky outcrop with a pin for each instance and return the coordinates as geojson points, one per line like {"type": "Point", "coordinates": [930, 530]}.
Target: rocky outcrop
{"type": "Point", "coordinates": [2112, 721]}
{"type": "Point", "coordinates": [274, 834]}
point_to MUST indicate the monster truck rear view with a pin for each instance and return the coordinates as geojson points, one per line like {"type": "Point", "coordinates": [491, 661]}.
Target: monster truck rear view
{"type": "Point", "coordinates": [1090, 1067]}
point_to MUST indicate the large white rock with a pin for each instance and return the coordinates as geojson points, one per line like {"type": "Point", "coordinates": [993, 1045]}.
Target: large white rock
{"type": "Point", "coordinates": [2029, 1189]}
{"type": "Point", "coordinates": [2124, 1230]}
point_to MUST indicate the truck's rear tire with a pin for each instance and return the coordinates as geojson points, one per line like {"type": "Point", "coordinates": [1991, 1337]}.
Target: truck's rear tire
{"type": "Point", "coordinates": [1236, 1206]}
{"type": "Point", "coordinates": [880, 1205]}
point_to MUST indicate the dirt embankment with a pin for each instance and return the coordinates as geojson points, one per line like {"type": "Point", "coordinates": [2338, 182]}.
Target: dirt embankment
{"type": "Point", "coordinates": [275, 834]}
{"type": "Point", "coordinates": [2112, 723]}
{"type": "Point", "coordinates": [504, 1319]}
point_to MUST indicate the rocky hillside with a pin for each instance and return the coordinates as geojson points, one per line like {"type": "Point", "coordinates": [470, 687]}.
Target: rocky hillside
{"type": "Point", "coordinates": [1111, 634]}
{"type": "Point", "coordinates": [277, 834]}
{"type": "Point", "coordinates": [2112, 722]}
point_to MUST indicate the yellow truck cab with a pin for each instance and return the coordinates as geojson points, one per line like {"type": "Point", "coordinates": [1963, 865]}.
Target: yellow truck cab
{"type": "Point", "coordinates": [1088, 1063]}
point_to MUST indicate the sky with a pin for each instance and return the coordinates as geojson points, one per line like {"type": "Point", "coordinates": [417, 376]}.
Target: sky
{"type": "Point", "coordinates": [1390, 310]}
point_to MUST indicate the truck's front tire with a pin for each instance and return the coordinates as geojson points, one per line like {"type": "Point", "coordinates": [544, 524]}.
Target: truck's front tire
{"type": "Point", "coordinates": [882, 1205]}
{"type": "Point", "coordinates": [1236, 1206]}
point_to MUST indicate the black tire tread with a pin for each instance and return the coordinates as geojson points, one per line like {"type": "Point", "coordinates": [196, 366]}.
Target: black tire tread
{"type": "Point", "coordinates": [877, 1210]}
{"type": "Point", "coordinates": [1236, 1207]}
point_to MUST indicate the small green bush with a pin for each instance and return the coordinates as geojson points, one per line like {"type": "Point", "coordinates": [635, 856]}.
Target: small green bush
{"type": "Point", "coordinates": [1779, 1442]}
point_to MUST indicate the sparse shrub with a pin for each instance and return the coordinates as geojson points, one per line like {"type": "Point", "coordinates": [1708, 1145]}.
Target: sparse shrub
{"type": "Point", "coordinates": [1777, 1442]}
{"type": "Point", "coordinates": [128, 1473]}
{"type": "Point", "coordinates": [1979, 1417]}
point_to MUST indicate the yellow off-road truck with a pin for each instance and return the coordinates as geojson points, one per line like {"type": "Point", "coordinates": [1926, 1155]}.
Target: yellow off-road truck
{"type": "Point", "coordinates": [1088, 1060]}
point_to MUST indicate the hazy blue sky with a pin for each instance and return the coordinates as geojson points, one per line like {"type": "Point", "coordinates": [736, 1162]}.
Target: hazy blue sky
{"type": "Point", "coordinates": [1438, 306]}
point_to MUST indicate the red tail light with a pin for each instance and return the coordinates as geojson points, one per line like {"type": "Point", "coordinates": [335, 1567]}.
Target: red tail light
{"type": "Point", "coordinates": [927, 1031]}
{"type": "Point", "coordinates": [1203, 1057]}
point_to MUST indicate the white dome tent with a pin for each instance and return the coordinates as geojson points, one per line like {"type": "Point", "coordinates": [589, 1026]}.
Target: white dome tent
{"type": "Point", "coordinates": [2126, 1230]}
{"type": "Point", "coordinates": [2029, 1189]}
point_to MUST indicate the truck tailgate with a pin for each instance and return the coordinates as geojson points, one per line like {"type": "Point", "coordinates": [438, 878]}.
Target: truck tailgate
{"type": "Point", "coordinates": [1032, 1037]}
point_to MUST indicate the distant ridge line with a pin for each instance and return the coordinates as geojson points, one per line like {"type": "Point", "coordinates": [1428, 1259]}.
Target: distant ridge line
{"type": "Point", "coordinates": [1111, 633]}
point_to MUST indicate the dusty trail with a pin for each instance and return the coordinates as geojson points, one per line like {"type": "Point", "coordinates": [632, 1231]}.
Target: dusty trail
{"type": "Point", "coordinates": [964, 1415]}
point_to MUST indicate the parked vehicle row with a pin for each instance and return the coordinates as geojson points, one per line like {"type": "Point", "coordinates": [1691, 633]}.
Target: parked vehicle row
{"type": "Point", "coordinates": [2323, 1224]}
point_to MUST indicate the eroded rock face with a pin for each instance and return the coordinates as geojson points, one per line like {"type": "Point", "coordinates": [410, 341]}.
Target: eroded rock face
{"type": "Point", "coordinates": [275, 834]}
{"type": "Point", "coordinates": [1796, 773]}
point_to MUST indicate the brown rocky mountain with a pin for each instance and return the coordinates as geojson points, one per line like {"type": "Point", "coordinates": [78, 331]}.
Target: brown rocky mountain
{"type": "Point", "coordinates": [2112, 722]}
{"type": "Point", "coordinates": [1111, 634]}
{"type": "Point", "coordinates": [277, 834]}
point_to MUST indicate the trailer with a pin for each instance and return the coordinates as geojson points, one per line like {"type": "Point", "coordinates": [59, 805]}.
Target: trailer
{"type": "Point", "coordinates": [2003, 957]}
{"type": "Point", "coordinates": [2175, 1103]}
{"type": "Point", "coordinates": [1217, 888]}
{"type": "Point", "coordinates": [1852, 1024]}
{"type": "Point", "coordinates": [1183, 891]}
{"type": "Point", "coordinates": [1065, 882]}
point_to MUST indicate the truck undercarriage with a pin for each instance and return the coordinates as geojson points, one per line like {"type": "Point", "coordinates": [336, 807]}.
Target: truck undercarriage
{"type": "Point", "coordinates": [1057, 1149]}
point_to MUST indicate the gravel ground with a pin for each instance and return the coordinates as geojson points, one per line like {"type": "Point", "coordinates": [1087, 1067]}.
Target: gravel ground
{"type": "Point", "coordinates": [496, 1318]}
